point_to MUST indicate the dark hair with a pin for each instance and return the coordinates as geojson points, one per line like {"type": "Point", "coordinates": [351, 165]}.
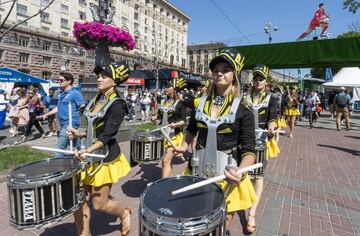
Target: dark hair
{"type": "Point", "coordinates": [67, 76]}
{"type": "Point", "coordinates": [321, 4]}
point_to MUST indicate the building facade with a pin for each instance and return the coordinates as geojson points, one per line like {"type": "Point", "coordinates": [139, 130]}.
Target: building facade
{"type": "Point", "coordinates": [43, 45]}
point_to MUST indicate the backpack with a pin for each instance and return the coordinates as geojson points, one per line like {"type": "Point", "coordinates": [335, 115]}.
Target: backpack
{"type": "Point", "coordinates": [342, 101]}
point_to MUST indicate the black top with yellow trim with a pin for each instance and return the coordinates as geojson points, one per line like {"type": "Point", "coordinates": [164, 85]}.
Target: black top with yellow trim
{"type": "Point", "coordinates": [266, 114]}
{"type": "Point", "coordinates": [174, 115]}
{"type": "Point", "coordinates": [238, 137]}
{"type": "Point", "coordinates": [106, 128]}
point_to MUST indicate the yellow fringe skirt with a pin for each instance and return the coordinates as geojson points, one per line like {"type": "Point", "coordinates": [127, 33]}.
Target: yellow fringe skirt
{"type": "Point", "coordinates": [292, 111]}
{"type": "Point", "coordinates": [272, 148]}
{"type": "Point", "coordinates": [109, 173]}
{"type": "Point", "coordinates": [239, 197]}
{"type": "Point", "coordinates": [176, 139]}
{"type": "Point", "coordinates": [281, 123]}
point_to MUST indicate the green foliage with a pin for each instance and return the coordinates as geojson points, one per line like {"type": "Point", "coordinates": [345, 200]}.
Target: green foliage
{"type": "Point", "coordinates": [351, 5]}
{"type": "Point", "coordinates": [349, 34]}
{"type": "Point", "coordinates": [17, 156]}
{"type": "Point", "coordinates": [145, 126]}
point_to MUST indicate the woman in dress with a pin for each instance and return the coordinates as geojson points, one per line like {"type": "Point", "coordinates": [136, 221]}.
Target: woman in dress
{"type": "Point", "coordinates": [110, 111]}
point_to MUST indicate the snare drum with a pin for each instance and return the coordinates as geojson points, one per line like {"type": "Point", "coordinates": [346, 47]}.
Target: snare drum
{"type": "Point", "coordinates": [260, 150]}
{"type": "Point", "coordinates": [147, 147]}
{"type": "Point", "coordinates": [200, 211]}
{"type": "Point", "coordinates": [44, 192]}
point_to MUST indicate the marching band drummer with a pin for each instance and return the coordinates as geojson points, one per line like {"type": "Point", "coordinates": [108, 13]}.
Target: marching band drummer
{"type": "Point", "coordinates": [225, 133]}
{"type": "Point", "coordinates": [291, 110]}
{"type": "Point", "coordinates": [172, 113]}
{"type": "Point", "coordinates": [104, 113]}
{"type": "Point", "coordinates": [264, 106]}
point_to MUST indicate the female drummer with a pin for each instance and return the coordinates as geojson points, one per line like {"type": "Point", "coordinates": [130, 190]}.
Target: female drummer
{"type": "Point", "coordinates": [236, 139]}
{"type": "Point", "coordinates": [291, 110]}
{"type": "Point", "coordinates": [109, 110]}
{"type": "Point", "coordinates": [172, 114]}
{"type": "Point", "coordinates": [265, 104]}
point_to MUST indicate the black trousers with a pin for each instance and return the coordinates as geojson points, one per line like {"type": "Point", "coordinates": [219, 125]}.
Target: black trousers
{"type": "Point", "coordinates": [33, 121]}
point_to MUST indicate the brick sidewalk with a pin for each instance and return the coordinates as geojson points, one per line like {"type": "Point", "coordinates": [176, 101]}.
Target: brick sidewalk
{"type": "Point", "coordinates": [313, 188]}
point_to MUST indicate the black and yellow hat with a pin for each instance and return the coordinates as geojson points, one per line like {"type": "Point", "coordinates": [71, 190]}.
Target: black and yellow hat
{"type": "Point", "coordinates": [261, 70]}
{"type": "Point", "coordinates": [230, 56]}
{"type": "Point", "coordinates": [178, 83]}
{"type": "Point", "coordinates": [119, 71]}
{"type": "Point", "coordinates": [205, 83]}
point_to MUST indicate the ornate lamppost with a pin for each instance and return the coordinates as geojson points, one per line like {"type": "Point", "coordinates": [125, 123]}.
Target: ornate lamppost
{"type": "Point", "coordinates": [268, 28]}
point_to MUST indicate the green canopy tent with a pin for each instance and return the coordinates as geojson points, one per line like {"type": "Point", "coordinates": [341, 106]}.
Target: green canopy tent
{"type": "Point", "coordinates": [341, 52]}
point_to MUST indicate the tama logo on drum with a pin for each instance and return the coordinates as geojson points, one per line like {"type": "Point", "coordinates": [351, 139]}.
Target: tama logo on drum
{"type": "Point", "coordinates": [28, 202]}
{"type": "Point", "coordinates": [147, 153]}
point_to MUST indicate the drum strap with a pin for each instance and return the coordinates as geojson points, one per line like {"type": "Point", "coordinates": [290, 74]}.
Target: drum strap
{"type": "Point", "coordinates": [91, 117]}
{"type": "Point", "coordinates": [255, 110]}
{"type": "Point", "coordinates": [165, 116]}
{"type": "Point", "coordinates": [210, 158]}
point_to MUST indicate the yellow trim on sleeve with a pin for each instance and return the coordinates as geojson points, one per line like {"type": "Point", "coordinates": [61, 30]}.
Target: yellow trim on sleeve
{"type": "Point", "coordinates": [248, 153]}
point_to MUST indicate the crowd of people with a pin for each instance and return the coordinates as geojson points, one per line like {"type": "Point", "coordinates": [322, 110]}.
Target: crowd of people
{"type": "Point", "coordinates": [220, 122]}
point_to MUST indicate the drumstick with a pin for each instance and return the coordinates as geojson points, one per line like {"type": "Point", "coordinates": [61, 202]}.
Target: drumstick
{"type": "Point", "coordinates": [170, 141]}
{"type": "Point", "coordinates": [70, 123]}
{"type": "Point", "coordinates": [67, 151]}
{"type": "Point", "coordinates": [157, 129]}
{"type": "Point", "coordinates": [213, 180]}
{"type": "Point", "coordinates": [265, 131]}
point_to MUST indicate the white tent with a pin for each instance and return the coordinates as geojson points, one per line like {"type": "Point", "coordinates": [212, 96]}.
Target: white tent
{"type": "Point", "coordinates": [348, 77]}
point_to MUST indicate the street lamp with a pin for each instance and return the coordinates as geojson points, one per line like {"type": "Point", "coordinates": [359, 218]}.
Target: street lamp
{"type": "Point", "coordinates": [268, 28]}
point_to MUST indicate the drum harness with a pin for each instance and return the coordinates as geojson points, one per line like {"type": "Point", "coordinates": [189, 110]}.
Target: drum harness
{"type": "Point", "coordinates": [210, 162]}
{"type": "Point", "coordinates": [165, 116]}
{"type": "Point", "coordinates": [259, 136]}
{"type": "Point", "coordinates": [91, 117]}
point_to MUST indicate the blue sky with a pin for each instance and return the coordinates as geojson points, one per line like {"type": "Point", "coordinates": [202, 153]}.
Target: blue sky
{"type": "Point", "coordinates": [292, 17]}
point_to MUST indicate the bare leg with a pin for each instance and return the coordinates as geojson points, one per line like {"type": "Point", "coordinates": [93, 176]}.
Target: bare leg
{"type": "Point", "coordinates": [258, 184]}
{"type": "Point", "coordinates": [166, 162]}
{"type": "Point", "coordinates": [229, 218]}
{"type": "Point", "coordinates": [82, 216]}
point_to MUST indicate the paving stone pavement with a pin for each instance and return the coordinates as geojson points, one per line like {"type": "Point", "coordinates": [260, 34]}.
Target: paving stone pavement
{"type": "Point", "coordinates": [313, 188]}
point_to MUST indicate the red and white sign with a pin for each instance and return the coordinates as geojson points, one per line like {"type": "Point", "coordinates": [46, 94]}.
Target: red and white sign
{"type": "Point", "coordinates": [137, 81]}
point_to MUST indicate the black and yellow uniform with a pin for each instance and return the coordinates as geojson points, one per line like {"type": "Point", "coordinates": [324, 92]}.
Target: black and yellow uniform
{"type": "Point", "coordinates": [265, 116]}
{"type": "Point", "coordinates": [176, 113]}
{"type": "Point", "coordinates": [292, 108]}
{"type": "Point", "coordinates": [238, 139]}
{"type": "Point", "coordinates": [115, 164]}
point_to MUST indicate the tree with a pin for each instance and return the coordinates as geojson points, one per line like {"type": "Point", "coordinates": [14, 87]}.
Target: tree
{"type": "Point", "coordinates": [351, 5]}
{"type": "Point", "coordinates": [25, 20]}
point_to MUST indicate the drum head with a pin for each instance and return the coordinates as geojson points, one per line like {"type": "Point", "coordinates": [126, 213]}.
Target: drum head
{"type": "Point", "coordinates": [148, 136]}
{"type": "Point", "coordinates": [44, 168]}
{"type": "Point", "coordinates": [194, 203]}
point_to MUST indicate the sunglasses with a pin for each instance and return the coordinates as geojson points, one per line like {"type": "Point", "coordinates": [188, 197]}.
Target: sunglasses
{"type": "Point", "coordinates": [30, 93]}
{"type": "Point", "coordinates": [61, 80]}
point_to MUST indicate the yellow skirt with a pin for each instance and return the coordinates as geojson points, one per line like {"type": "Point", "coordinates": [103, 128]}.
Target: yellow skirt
{"type": "Point", "coordinates": [272, 148]}
{"type": "Point", "coordinates": [109, 173]}
{"type": "Point", "coordinates": [239, 197]}
{"type": "Point", "coordinates": [281, 123]}
{"type": "Point", "coordinates": [292, 111]}
{"type": "Point", "coordinates": [176, 139]}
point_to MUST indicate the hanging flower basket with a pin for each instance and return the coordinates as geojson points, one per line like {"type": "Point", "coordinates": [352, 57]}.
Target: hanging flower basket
{"type": "Point", "coordinates": [93, 34]}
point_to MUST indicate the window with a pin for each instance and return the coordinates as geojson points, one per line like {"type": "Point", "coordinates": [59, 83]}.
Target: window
{"type": "Point", "coordinates": [124, 22]}
{"type": "Point", "coordinates": [23, 24]}
{"type": "Point", "coordinates": [136, 16]}
{"type": "Point", "coordinates": [46, 61]}
{"type": "Point", "coordinates": [136, 6]}
{"type": "Point", "coordinates": [46, 75]}
{"type": "Point", "coordinates": [46, 46]}
{"type": "Point", "coordinates": [146, 30]}
{"type": "Point", "coordinates": [21, 10]}
{"type": "Point", "coordinates": [1, 54]}
{"type": "Point", "coordinates": [82, 15]}
{"type": "Point", "coordinates": [44, 3]}
{"type": "Point", "coordinates": [64, 9]}
{"type": "Point", "coordinates": [82, 2]}
{"type": "Point", "coordinates": [65, 48]}
{"type": "Point", "coordinates": [65, 34]}
{"type": "Point", "coordinates": [64, 23]}
{"type": "Point", "coordinates": [24, 41]}
{"type": "Point", "coordinates": [82, 65]}
{"type": "Point", "coordinates": [45, 17]}
{"type": "Point", "coordinates": [67, 64]}
{"type": "Point", "coordinates": [43, 28]}
{"type": "Point", "coordinates": [24, 57]}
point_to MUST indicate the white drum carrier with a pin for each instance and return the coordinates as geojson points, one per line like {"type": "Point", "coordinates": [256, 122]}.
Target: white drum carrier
{"type": "Point", "coordinates": [165, 116]}
{"type": "Point", "coordinates": [210, 162]}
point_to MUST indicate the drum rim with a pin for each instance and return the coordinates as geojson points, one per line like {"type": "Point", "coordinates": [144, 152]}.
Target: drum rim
{"type": "Point", "coordinates": [35, 181]}
{"type": "Point", "coordinates": [147, 139]}
{"type": "Point", "coordinates": [142, 208]}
